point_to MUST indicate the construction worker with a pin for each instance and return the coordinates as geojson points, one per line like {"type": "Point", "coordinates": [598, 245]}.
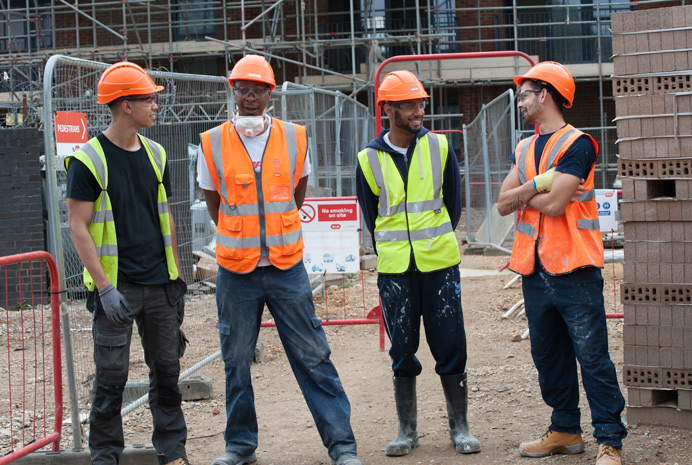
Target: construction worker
{"type": "Point", "coordinates": [118, 186]}
{"type": "Point", "coordinates": [558, 250]}
{"type": "Point", "coordinates": [409, 189]}
{"type": "Point", "coordinates": [259, 249]}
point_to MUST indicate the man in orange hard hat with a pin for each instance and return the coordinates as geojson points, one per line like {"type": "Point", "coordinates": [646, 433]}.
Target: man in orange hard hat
{"type": "Point", "coordinates": [409, 189]}
{"type": "Point", "coordinates": [253, 171]}
{"type": "Point", "coordinates": [558, 250]}
{"type": "Point", "coordinates": [118, 186]}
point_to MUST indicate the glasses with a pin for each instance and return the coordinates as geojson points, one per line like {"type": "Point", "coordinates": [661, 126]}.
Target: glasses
{"type": "Point", "coordinates": [409, 106]}
{"type": "Point", "coordinates": [245, 91]}
{"type": "Point", "coordinates": [524, 94]}
{"type": "Point", "coordinates": [153, 98]}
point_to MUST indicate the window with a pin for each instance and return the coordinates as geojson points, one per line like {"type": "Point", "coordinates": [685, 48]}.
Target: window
{"type": "Point", "coordinates": [194, 19]}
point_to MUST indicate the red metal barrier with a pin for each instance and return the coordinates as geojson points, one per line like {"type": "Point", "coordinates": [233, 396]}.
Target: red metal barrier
{"type": "Point", "coordinates": [23, 334]}
{"type": "Point", "coordinates": [435, 57]}
{"type": "Point", "coordinates": [374, 317]}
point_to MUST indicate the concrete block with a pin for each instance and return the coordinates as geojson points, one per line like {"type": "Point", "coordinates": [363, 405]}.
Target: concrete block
{"type": "Point", "coordinates": [137, 454]}
{"type": "Point", "coordinates": [259, 352]}
{"type": "Point", "coordinates": [192, 388]}
{"type": "Point", "coordinates": [368, 262]}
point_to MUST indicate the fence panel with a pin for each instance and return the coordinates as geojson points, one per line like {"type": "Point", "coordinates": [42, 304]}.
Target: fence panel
{"type": "Point", "coordinates": [188, 105]}
{"type": "Point", "coordinates": [488, 142]}
{"type": "Point", "coordinates": [30, 361]}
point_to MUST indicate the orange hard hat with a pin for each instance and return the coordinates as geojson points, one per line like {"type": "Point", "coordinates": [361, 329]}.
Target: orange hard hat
{"type": "Point", "coordinates": [124, 78]}
{"type": "Point", "coordinates": [253, 68]}
{"type": "Point", "coordinates": [554, 74]}
{"type": "Point", "coordinates": [400, 85]}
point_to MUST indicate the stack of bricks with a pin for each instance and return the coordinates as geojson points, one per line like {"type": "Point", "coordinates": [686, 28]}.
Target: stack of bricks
{"type": "Point", "coordinates": [652, 85]}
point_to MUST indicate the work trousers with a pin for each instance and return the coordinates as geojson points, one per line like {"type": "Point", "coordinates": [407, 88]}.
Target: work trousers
{"type": "Point", "coordinates": [436, 297]}
{"type": "Point", "coordinates": [158, 313]}
{"type": "Point", "coordinates": [287, 294]}
{"type": "Point", "coordinates": [567, 323]}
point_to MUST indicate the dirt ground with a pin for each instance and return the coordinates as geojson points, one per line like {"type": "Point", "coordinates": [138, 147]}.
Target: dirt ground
{"type": "Point", "coordinates": [505, 406]}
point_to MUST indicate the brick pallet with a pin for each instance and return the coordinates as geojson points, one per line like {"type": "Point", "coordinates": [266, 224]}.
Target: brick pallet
{"type": "Point", "coordinates": [653, 90]}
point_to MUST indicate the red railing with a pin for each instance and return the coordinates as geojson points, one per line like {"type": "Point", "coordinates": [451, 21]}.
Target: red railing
{"type": "Point", "coordinates": [23, 335]}
{"type": "Point", "coordinates": [435, 57]}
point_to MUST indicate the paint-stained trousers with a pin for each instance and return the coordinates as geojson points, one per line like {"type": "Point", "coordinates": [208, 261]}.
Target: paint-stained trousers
{"type": "Point", "coordinates": [567, 323]}
{"type": "Point", "coordinates": [436, 298]}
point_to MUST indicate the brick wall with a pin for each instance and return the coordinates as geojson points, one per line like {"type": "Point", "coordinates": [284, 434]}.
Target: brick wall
{"type": "Point", "coordinates": [21, 209]}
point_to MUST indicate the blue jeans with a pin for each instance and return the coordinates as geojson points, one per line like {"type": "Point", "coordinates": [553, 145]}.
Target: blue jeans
{"type": "Point", "coordinates": [436, 298]}
{"type": "Point", "coordinates": [567, 323]}
{"type": "Point", "coordinates": [240, 301]}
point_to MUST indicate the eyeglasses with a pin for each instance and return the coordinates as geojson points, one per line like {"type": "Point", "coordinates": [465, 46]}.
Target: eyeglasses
{"type": "Point", "coordinates": [245, 91]}
{"type": "Point", "coordinates": [153, 98]}
{"type": "Point", "coordinates": [524, 94]}
{"type": "Point", "coordinates": [409, 106]}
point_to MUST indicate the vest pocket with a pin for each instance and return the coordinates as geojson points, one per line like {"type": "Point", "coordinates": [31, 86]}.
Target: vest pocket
{"type": "Point", "coordinates": [290, 226]}
{"type": "Point", "coordinates": [245, 191]}
{"type": "Point", "coordinates": [233, 226]}
{"type": "Point", "coordinates": [280, 192]}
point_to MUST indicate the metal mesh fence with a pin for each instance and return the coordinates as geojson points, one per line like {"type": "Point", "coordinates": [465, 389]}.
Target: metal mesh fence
{"type": "Point", "coordinates": [488, 141]}
{"type": "Point", "coordinates": [188, 105]}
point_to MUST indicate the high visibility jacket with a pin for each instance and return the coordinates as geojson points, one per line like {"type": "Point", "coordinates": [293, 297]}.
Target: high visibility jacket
{"type": "Point", "coordinates": [569, 241]}
{"type": "Point", "coordinates": [102, 226]}
{"type": "Point", "coordinates": [411, 216]}
{"type": "Point", "coordinates": [258, 215]}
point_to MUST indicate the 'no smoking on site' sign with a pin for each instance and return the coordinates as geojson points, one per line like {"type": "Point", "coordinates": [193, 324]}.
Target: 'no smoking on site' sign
{"type": "Point", "coordinates": [330, 233]}
{"type": "Point", "coordinates": [70, 132]}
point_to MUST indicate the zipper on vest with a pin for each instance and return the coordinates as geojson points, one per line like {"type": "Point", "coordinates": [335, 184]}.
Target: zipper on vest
{"type": "Point", "coordinates": [412, 257]}
{"type": "Point", "coordinates": [260, 208]}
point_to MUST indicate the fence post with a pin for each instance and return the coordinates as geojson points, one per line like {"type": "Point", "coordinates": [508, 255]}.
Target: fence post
{"type": "Point", "coordinates": [71, 379]}
{"type": "Point", "coordinates": [486, 169]}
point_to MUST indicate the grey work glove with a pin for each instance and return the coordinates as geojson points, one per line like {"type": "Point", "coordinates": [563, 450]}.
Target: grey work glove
{"type": "Point", "coordinates": [114, 304]}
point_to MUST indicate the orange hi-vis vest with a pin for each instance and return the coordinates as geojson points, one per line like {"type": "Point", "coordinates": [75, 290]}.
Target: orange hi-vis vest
{"type": "Point", "coordinates": [569, 241]}
{"type": "Point", "coordinates": [258, 215]}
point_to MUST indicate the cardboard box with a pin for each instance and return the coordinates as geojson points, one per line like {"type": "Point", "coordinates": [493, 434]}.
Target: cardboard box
{"type": "Point", "coordinates": [206, 267]}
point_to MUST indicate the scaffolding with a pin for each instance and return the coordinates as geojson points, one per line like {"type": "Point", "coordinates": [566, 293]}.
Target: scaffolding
{"type": "Point", "coordinates": [334, 45]}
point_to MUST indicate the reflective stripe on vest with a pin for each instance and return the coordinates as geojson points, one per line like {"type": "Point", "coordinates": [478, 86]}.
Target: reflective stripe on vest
{"type": "Point", "coordinates": [523, 149]}
{"type": "Point", "coordinates": [102, 226]}
{"type": "Point", "coordinates": [266, 221]}
{"type": "Point", "coordinates": [406, 218]}
{"type": "Point", "coordinates": [569, 241]}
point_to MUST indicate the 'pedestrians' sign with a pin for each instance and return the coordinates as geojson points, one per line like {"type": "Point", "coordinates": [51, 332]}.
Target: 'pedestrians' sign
{"type": "Point", "coordinates": [70, 132]}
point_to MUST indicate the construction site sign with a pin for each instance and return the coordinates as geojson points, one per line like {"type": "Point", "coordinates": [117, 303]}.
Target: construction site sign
{"type": "Point", "coordinates": [331, 233]}
{"type": "Point", "coordinates": [607, 201]}
{"type": "Point", "coordinates": [70, 132]}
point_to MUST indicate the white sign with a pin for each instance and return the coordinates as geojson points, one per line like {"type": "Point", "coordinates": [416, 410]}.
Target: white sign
{"type": "Point", "coordinates": [331, 235]}
{"type": "Point", "coordinates": [607, 201]}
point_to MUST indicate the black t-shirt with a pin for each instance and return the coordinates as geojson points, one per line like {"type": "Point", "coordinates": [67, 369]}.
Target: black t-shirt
{"type": "Point", "coordinates": [133, 189]}
{"type": "Point", "coordinates": [577, 161]}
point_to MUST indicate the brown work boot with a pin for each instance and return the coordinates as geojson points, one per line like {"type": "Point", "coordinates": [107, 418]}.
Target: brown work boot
{"type": "Point", "coordinates": [180, 461]}
{"type": "Point", "coordinates": [553, 442]}
{"type": "Point", "coordinates": [608, 455]}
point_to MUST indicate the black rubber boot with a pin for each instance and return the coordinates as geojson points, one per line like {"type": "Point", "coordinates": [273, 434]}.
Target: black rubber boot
{"type": "Point", "coordinates": [456, 393]}
{"type": "Point", "coordinates": [406, 409]}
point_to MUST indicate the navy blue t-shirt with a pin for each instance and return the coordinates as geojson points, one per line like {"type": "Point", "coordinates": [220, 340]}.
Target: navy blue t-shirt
{"type": "Point", "coordinates": [133, 190]}
{"type": "Point", "coordinates": [577, 161]}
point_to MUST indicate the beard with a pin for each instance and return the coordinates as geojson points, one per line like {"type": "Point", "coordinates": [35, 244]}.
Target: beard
{"type": "Point", "coordinates": [399, 122]}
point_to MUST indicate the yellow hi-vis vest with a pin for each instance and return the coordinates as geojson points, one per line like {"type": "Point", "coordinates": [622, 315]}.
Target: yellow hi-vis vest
{"type": "Point", "coordinates": [412, 216]}
{"type": "Point", "coordinates": [102, 226]}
